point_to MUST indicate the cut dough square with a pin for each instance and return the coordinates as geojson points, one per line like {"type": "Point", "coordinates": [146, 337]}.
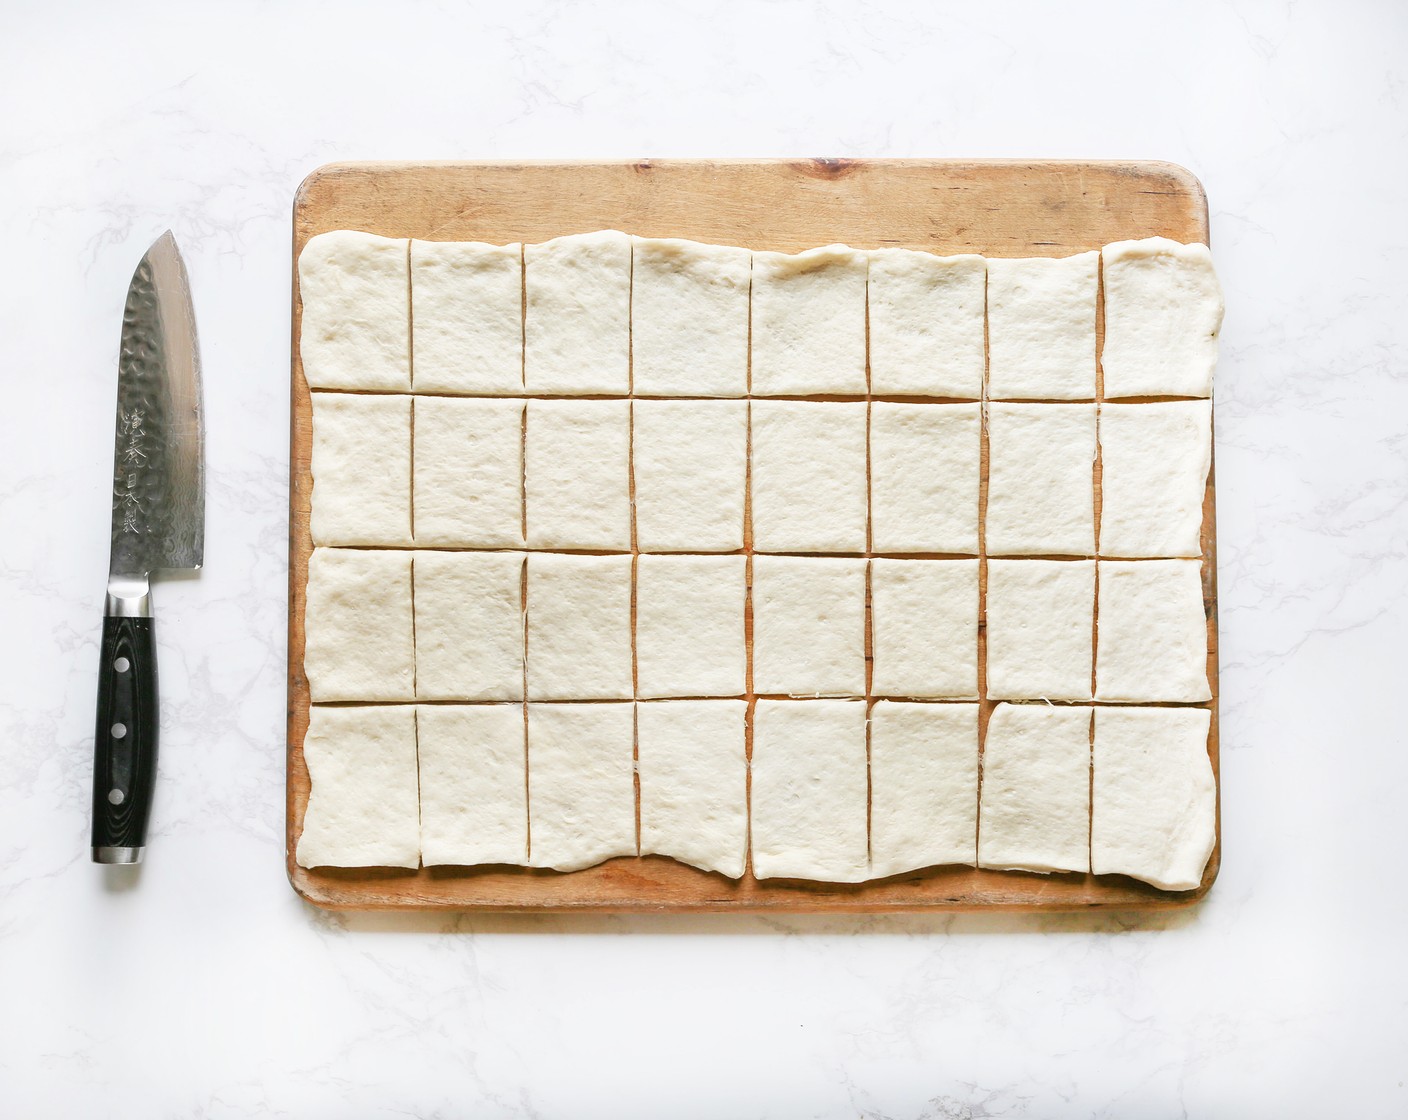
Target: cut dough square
{"type": "Point", "coordinates": [1152, 641]}
{"type": "Point", "coordinates": [473, 784]}
{"type": "Point", "coordinates": [925, 467]}
{"type": "Point", "coordinates": [1035, 812]}
{"type": "Point", "coordinates": [579, 627]}
{"type": "Point", "coordinates": [808, 626]}
{"type": "Point", "coordinates": [1154, 468]}
{"type": "Point", "coordinates": [924, 618]}
{"type": "Point", "coordinates": [809, 322]}
{"type": "Point", "coordinates": [469, 472]}
{"type": "Point", "coordinates": [361, 467]}
{"type": "Point", "coordinates": [690, 625]}
{"type": "Point", "coordinates": [469, 625]}
{"type": "Point", "coordinates": [1041, 480]}
{"type": "Point", "coordinates": [581, 784]}
{"type": "Point", "coordinates": [1041, 327]}
{"type": "Point", "coordinates": [809, 487]}
{"type": "Point", "coordinates": [689, 318]}
{"type": "Point", "coordinates": [1040, 615]}
{"type": "Point", "coordinates": [355, 331]}
{"type": "Point", "coordinates": [926, 323]}
{"type": "Point", "coordinates": [691, 468]}
{"type": "Point", "coordinates": [1163, 311]}
{"type": "Point", "coordinates": [357, 625]}
{"type": "Point", "coordinates": [809, 790]}
{"type": "Point", "coordinates": [577, 325]}
{"type": "Point", "coordinates": [694, 782]}
{"type": "Point", "coordinates": [923, 786]}
{"type": "Point", "coordinates": [467, 317]}
{"type": "Point", "coordinates": [578, 474]}
{"type": "Point", "coordinates": [363, 805]}
{"type": "Point", "coordinates": [1154, 811]}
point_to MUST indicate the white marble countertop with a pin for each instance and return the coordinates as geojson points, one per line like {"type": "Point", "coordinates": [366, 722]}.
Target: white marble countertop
{"type": "Point", "coordinates": [204, 987]}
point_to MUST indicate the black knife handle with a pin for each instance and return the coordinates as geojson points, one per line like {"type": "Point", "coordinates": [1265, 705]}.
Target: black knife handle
{"type": "Point", "coordinates": [124, 744]}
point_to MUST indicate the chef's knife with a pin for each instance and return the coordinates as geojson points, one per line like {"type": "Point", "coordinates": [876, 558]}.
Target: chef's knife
{"type": "Point", "coordinates": [158, 522]}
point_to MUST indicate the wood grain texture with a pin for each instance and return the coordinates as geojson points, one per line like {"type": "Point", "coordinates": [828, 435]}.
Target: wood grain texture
{"type": "Point", "coordinates": [997, 208]}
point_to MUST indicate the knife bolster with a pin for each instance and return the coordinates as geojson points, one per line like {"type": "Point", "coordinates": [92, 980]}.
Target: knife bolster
{"type": "Point", "coordinates": [128, 597]}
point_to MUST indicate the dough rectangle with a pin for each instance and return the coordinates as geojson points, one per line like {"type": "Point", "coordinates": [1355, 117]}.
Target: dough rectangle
{"type": "Point", "coordinates": [1041, 327]}
{"type": "Point", "coordinates": [1152, 636]}
{"type": "Point", "coordinates": [1154, 462]}
{"type": "Point", "coordinates": [689, 318]}
{"type": "Point", "coordinates": [924, 623]}
{"type": "Point", "coordinates": [1041, 480]}
{"type": "Point", "coordinates": [1035, 810]}
{"type": "Point", "coordinates": [473, 784]}
{"type": "Point", "coordinates": [468, 625]}
{"type": "Point", "coordinates": [690, 460]}
{"type": "Point", "coordinates": [923, 786]}
{"type": "Point", "coordinates": [467, 317]}
{"type": "Point", "coordinates": [690, 625]}
{"type": "Point", "coordinates": [1163, 312]}
{"type": "Point", "coordinates": [926, 324]}
{"type": "Point", "coordinates": [808, 476]}
{"type": "Point", "coordinates": [809, 322]}
{"type": "Point", "coordinates": [581, 784]}
{"type": "Point", "coordinates": [1154, 807]}
{"type": "Point", "coordinates": [358, 626]}
{"type": "Point", "coordinates": [468, 477]}
{"type": "Point", "coordinates": [1040, 616]}
{"type": "Point", "coordinates": [361, 467]}
{"type": "Point", "coordinates": [809, 790]}
{"type": "Point", "coordinates": [577, 471]}
{"type": "Point", "coordinates": [577, 323]}
{"type": "Point", "coordinates": [925, 469]}
{"type": "Point", "coordinates": [356, 312]}
{"type": "Point", "coordinates": [579, 627]}
{"type": "Point", "coordinates": [363, 807]}
{"type": "Point", "coordinates": [808, 626]}
{"type": "Point", "coordinates": [694, 782]}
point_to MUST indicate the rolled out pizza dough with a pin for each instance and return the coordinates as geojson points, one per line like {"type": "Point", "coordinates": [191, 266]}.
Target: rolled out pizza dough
{"type": "Point", "coordinates": [363, 802]}
{"type": "Point", "coordinates": [1163, 311]}
{"type": "Point", "coordinates": [809, 322]}
{"type": "Point", "coordinates": [1152, 637]}
{"type": "Point", "coordinates": [689, 318]}
{"type": "Point", "coordinates": [1154, 812]}
{"type": "Point", "coordinates": [693, 782]}
{"type": "Point", "coordinates": [690, 461]}
{"type": "Point", "coordinates": [577, 322]}
{"type": "Point", "coordinates": [1154, 461]}
{"type": "Point", "coordinates": [809, 790]}
{"type": "Point", "coordinates": [469, 625]}
{"type": "Point", "coordinates": [926, 324]}
{"type": "Point", "coordinates": [808, 626]}
{"type": "Point", "coordinates": [468, 472]}
{"type": "Point", "coordinates": [1036, 789]}
{"type": "Point", "coordinates": [925, 469]}
{"type": "Point", "coordinates": [467, 317]}
{"type": "Point", "coordinates": [361, 467]}
{"type": "Point", "coordinates": [355, 331]}
{"type": "Point", "coordinates": [473, 784]}
{"type": "Point", "coordinates": [581, 785]}
{"type": "Point", "coordinates": [923, 786]}
{"type": "Point", "coordinates": [690, 625]}
{"type": "Point", "coordinates": [1041, 327]}
{"type": "Point", "coordinates": [358, 626]}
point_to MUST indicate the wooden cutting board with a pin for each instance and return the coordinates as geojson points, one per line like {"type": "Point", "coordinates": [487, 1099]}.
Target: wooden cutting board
{"type": "Point", "coordinates": [997, 208]}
